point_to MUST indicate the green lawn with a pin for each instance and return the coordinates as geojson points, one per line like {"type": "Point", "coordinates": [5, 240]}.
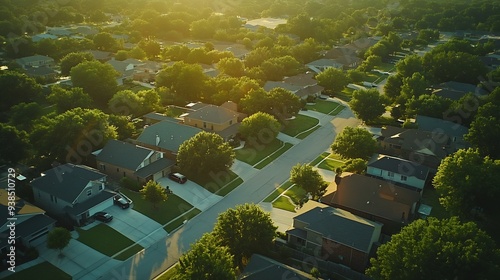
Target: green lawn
{"type": "Point", "coordinates": [322, 106]}
{"type": "Point", "coordinates": [169, 273]}
{"type": "Point", "coordinates": [337, 110]}
{"type": "Point", "coordinates": [278, 191]}
{"type": "Point", "coordinates": [42, 271]}
{"type": "Point", "coordinates": [431, 198]}
{"type": "Point", "coordinates": [372, 77]}
{"type": "Point", "coordinates": [229, 187]}
{"type": "Point", "coordinates": [216, 183]}
{"type": "Point", "coordinates": [179, 221]}
{"type": "Point", "coordinates": [319, 158]}
{"type": "Point", "coordinates": [283, 203]}
{"type": "Point", "coordinates": [307, 133]}
{"type": "Point", "coordinates": [253, 155]}
{"type": "Point", "coordinates": [299, 124]}
{"type": "Point", "coordinates": [174, 111]}
{"type": "Point", "coordinates": [296, 193]}
{"type": "Point", "coordinates": [388, 67]}
{"type": "Point", "coordinates": [164, 212]}
{"type": "Point", "coordinates": [273, 156]}
{"type": "Point", "coordinates": [129, 252]}
{"type": "Point", "coordinates": [105, 239]}
{"type": "Point", "coordinates": [133, 87]}
{"type": "Point", "coordinates": [345, 95]}
{"type": "Point", "coordinates": [330, 164]}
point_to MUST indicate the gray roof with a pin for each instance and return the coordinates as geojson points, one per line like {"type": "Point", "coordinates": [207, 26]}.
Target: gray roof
{"type": "Point", "coordinates": [213, 114]}
{"type": "Point", "coordinates": [40, 71]}
{"type": "Point", "coordinates": [262, 268]}
{"type": "Point", "coordinates": [28, 227]}
{"type": "Point", "coordinates": [310, 90]}
{"type": "Point", "coordinates": [156, 166]}
{"type": "Point", "coordinates": [33, 58]}
{"type": "Point", "coordinates": [66, 181]}
{"type": "Point", "coordinates": [81, 207]}
{"type": "Point", "coordinates": [323, 62]}
{"type": "Point", "coordinates": [101, 55]}
{"type": "Point", "coordinates": [271, 84]}
{"type": "Point", "coordinates": [341, 226]}
{"type": "Point", "coordinates": [400, 166]}
{"type": "Point", "coordinates": [461, 87]}
{"type": "Point", "coordinates": [123, 154]}
{"type": "Point", "coordinates": [170, 135]}
{"type": "Point", "coordinates": [433, 124]}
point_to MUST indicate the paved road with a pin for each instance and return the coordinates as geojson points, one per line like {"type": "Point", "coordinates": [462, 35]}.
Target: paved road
{"type": "Point", "coordinates": [165, 253]}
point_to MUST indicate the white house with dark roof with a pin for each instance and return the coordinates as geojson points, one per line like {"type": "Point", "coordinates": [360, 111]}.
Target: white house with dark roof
{"type": "Point", "coordinates": [397, 170]}
{"type": "Point", "coordinates": [72, 192]}
{"type": "Point", "coordinates": [120, 159]}
{"type": "Point", "coordinates": [322, 64]}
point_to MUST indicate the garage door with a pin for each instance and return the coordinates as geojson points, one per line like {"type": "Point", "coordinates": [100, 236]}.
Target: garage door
{"type": "Point", "coordinates": [39, 239]}
{"type": "Point", "coordinates": [101, 206]}
{"type": "Point", "coordinates": [157, 176]}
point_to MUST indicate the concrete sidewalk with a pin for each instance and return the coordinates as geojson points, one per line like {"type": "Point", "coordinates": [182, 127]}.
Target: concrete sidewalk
{"type": "Point", "coordinates": [327, 175]}
{"type": "Point", "coordinates": [287, 138]}
{"type": "Point", "coordinates": [191, 192]}
{"type": "Point", "coordinates": [244, 170]}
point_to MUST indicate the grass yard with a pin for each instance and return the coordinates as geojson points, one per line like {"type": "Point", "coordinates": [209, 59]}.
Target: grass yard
{"type": "Point", "coordinates": [330, 164]}
{"type": "Point", "coordinates": [299, 124]}
{"type": "Point", "coordinates": [216, 185]}
{"type": "Point", "coordinates": [372, 77]}
{"type": "Point", "coordinates": [229, 187]}
{"type": "Point", "coordinates": [431, 198]}
{"type": "Point", "coordinates": [307, 133]}
{"type": "Point", "coordinates": [42, 271]}
{"type": "Point", "coordinates": [284, 203]}
{"type": "Point", "coordinates": [179, 221]}
{"type": "Point", "coordinates": [323, 106]}
{"type": "Point", "coordinates": [165, 211]}
{"type": "Point", "coordinates": [133, 87]}
{"type": "Point", "coordinates": [387, 67]}
{"type": "Point", "coordinates": [174, 111]}
{"type": "Point", "coordinates": [345, 95]}
{"type": "Point", "coordinates": [129, 252]}
{"type": "Point", "coordinates": [278, 191]}
{"type": "Point", "coordinates": [273, 156]}
{"type": "Point", "coordinates": [253, 155]}
{"type": "Point", "coordinates": [296, 193]}
{"type": "Point", "coordinates": [337, 110]}
{"type": "Point", "coordinates": [105, 239]}
{"type": "Point", "coordinates": [319, 158]}
{"type": "Point", "coordinates": [169, 274]}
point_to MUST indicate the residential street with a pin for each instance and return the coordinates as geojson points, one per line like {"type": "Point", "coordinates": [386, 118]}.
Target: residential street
{"type": "Point", "coordinates": [163, 254]}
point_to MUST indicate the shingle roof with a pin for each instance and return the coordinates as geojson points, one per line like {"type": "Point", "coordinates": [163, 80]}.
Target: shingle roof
{"type": "Point", "coordinates": [213, 114]}
{"type": "Point", "coordinates": [341, 226]}
{"type": "Point", "coordinates": [33, 58]}
{"type": "Point", "coordinates": [39, 71]}
{"type": "Point", "coordinates": [372, 196]}
{"type": "Point", "coordinates": [28, 227]}
{"type": "Point", "coordinates": [433, 124]}
{"type": "Point", "coordinates": [262, 268]}
{"type": "Point", "coordinates": [123, 154]}
{"type": "Point", "coordinates": [66, 181]}
{"type": "Point", "coordinates": [323, 62]}
{"type": "Point", "coordinates": [154, 167]}
{"type": "Point", "coordinates": [81, 207]}
{"type": "Point", "coordinates": [400, 166]}
{"type": "Point", "coordinates": [170, 135]}
{"type": "Point", "coordinates": [304, 79]}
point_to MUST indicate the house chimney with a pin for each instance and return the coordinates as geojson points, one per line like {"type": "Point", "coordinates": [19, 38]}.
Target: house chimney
{"type": "Point", "coordinates": [157, 140]}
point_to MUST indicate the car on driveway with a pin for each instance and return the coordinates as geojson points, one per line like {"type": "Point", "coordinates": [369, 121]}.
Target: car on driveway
{"type": "Point", "coordinates": [103, 217]}
{"type": "Point", "coordinates": [120, 201]}
{"type": "Point", "coordinates": [178, 177]}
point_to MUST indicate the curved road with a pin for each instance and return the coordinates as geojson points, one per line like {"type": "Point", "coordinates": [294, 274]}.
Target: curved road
{"type": "Point", "coordinates": [160, 256]}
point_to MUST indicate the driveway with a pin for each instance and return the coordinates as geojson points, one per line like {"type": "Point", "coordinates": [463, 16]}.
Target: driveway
{"type": "Point", "coordinates": [244, 170]}
{"type": "Point", "coordinates": [136, 226]}
{"type": "Point", "coordinates": [191, 192]}
{"type": "Point", "coordinates": [282, 219]}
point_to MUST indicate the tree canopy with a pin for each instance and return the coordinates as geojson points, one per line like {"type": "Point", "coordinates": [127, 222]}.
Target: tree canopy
{"type": "Point", "coordinates": [17, 88]}
{"type": "Point", "coordinates": [307, 178]}
{"type": "Point", "coordinates": [67, 99]}
{"type": "Point", "coordinates": [73, 59]}
{"type": "Point", "coordinates": [14, 144]}
{"type": "Point", "coordinates": [97, 79]}
{"type": "Point", "coordinates": [437, 249]}
{"type": "Point", "coordinates": [355, 142]}
{"type": "Point", "coordinates": [154, 193]}
{"type": "Point", "coordinates": [367, 104]}
{"type": "Point", "coordinates": [333, 79]}
{"type": "Point", "coordinates": [185, 80]}
{"type": "Point", "coordinates": [485, 130]}
{"type": "Point", "coordinates": [260, 128]}
{"type": "Point", "coordinates": [58, 239]}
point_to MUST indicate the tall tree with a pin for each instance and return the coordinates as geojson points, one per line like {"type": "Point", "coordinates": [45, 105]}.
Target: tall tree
{"type": "Point", "coordinates": [23, 114]}
{"type": "Point", "coordinates": [67, 99]}
{"type": "Point", "coordinates": [185, 80]}
{"type": "Point", "coordinates": [304, 176]}
{"type": "Point", "coordinates": [105, 41]}
{"type": "Point", "coordinates": [333, 79]}
{"type": "Point", "coordinates": [73, 59]}
{"type": "Point", "coordinates": [14, 144]}
{"type": "Point", "coordinates": [284, 103]}
{"type": "Point", "coordinates": [355, 142]}
{"type": "Point", "coordinates": [415, 85]}
{"type": "Point", "coordinates": [233, 67]}
{"type": "Point", "coordinates": [97, 79]}
{"type": "Point", "coordinates": [125, 102]}
{"type": "Point", "coordinates": [484, 130]}
{"type": "Point", "coordinates": [392, 87]}
{"type": "Point", "coordinates": [245, 230]}
{"type": "Point", "coordinates": [204, 153]}
{"type": "Point", "coordinates": [437, 249]}
{"type": "Point", "coordinates": [58, 239]}
{"type": "Point", "coordinates": [367, 104]}
{"type": "Point", "coordinates": [17, 88]}
{"type": "Point", "coordinates": [206, 260]}
{"type": "Point", "coordinates": [154, 193]}
{"type": "Point", "coordinates": [430, 105]}
{"type": "Point", "coordinates": [409, 65]}
{"type": "Point", "coordinates": [260, 128]}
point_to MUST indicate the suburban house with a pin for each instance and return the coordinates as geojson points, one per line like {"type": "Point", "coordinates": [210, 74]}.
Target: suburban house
{"type": "Point", "coordinates": [31, 224]}
{"type": "Point", "coordinates": [346, 56]}
{"type": "Point", "coordinates": [302, 85]}
{"type": "Point", "coordinates": [374, 199]}
{"type": "Point", "coordinates": [35, 61]}
{"type": "Point", "coordinates": [455, 131]}
{"type": "Point", "coordinates": [38, 37]}
{"type": "Point", "coordinates": [126, 68]}
{"type": "Point", "coordinates": [339, 235]}
{"type": "Point", "coordinates": [424, 147]}
{"type": "Point", "coordinates": [264, 268]}
{"type": "Point", "coordinates": [456, 90]}
{"type": "Point", "coordinates": [72, 192]}
{"type": "Point", "coordinates": [362, 44]}
{"type": "Point", "coordinates": [44, 72]}
{"type": "Point", "coordinates": [322, 64]}
{"type": "Point", "coordinates": [120, 159]}
{"type": "Point", "coordinates": [214, 119]}
{"type": "Point", "coordinates": [166, 136]}
{"type": "Point", "coordinates": [154, 117]}
{"type": "Point", "coordinates": [146, 71]}
{"type": "Point", "coordinates": [101, 56]}
{"type": "Point", "coordinates": [399, 171]}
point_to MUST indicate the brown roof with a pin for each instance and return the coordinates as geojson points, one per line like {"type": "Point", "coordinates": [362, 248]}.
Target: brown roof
{"type": "Point", "coordinates": [304, 79]}
{"type": "Point", "coordinates": [213, 114]}
{"type": "Point", "coordinates": [372, 196]}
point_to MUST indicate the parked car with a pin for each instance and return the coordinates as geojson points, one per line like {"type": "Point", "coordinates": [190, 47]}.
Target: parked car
{"type": "Point", "coordinates": [103, 217]}
{"type": "Point", "coordinates": [178, 177]}
{"type": "Point", "coordinates": [120, 201]}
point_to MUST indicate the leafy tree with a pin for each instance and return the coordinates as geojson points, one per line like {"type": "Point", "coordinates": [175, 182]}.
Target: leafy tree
{"type": "Point", "coordinates": [355, 165]}
{"type": "Point", "coordinates": [72, 59]}
{"type": "Point", "coordinates": [17, 88]}
{"type": "Point", "coordinates": [276, 68]}
{"type": "Point", "coordinates": [124, 126]}
{"type": "Point", "coordinates": [121, 55]}
{"type": "Point", "coordinates": [58, 239]}
{"type": "Point", "coordinates": [355, 75]}
{"type": "Point", "coordinates": [369, 63]}
{"type": "Point", "coordinates": [255, 101]}
{"type": "Point", "coordinates": [125, 102]}
{"type": "Point", "coordinates": [233, 89]}
{"type": "Point", "coordinates": [137, 53]}
{"type": "Point", "coordinates": [484, 130]}
{"type": "Point", "coordinates": [260, 128]}
{"type": "Point", "coordinates": [414, 86]}
{"type": "Point", "coordinates": [185, 80]}
{"type": "Point", "coordinates": [409, 65]}
{"type": "Point", "coordinates": [333, 79]}
{"type": "Point", "coordinates": [284, 103]}
{"type": "Point", "coordinates": [245, 230]}
{"type": "Point", "coordinates": [203, 153]}
{"type": "Point", "coordinates": [453, 66]}
{"type": "Point", "coordinates": [354, 142]}
{"type": "Point", "coordinates": [105, 41]}
{"type": "Point", "coordinates": [23, 115]}
{"type": "Point", "coordinates": [67, 99]}
{"type": "Point", "coordinates": [233, 67]}
{"type": "Point", "coordinates": [437, 249]}
{"type": "Point", "coordinates": [154, 193]}
{"type": "Point", "coordinates": [206, 260]}
{"type": "Point", "coordinates": [257, 56]}
{"type": "Point", "coordinates": [430, 105]}
{"type": "Point", "coordinates": [466, 180]}
{"type": "Point", "coordinates": [150, 47]}
{"type": "Point", "coordinates": [97, 79]}
{"type": "Point", "coordinates": [304, 176]}
{"type": "Point", "coordinates": [150, 100]}
{"type": "Point", "coordinates": [306, 51]}
{"type": "Point", "coordinates": [392, 87]}
{"type": "Point", "coordinates": [14, 144]}
{"type": "Point", "coordinates": [367, 104]}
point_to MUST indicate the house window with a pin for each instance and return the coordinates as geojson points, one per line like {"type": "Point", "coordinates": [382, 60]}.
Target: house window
{"type": "Point", "coordinates": [101, 187]}
{"type": "Point", "coordinates": [390, 174]}
{"type": "Point", "coordinates": [403, 178]}
{"type": "Point", "coordinates": [89, 192]}
{"type": "Point", "coordinates": [212, 127]}
{"type": "Point", "coordinates": [204, 125]}
{"type": "Point", "coordinates": [103, 167]}
{"type": "Point", "coordinates": [53, 199]}
{"type": "Point", "coordinates": [158, 156]}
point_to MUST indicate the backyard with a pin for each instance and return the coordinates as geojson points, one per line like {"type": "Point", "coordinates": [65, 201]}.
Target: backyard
{"type": "Point", "coordinates": [106, 240]}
